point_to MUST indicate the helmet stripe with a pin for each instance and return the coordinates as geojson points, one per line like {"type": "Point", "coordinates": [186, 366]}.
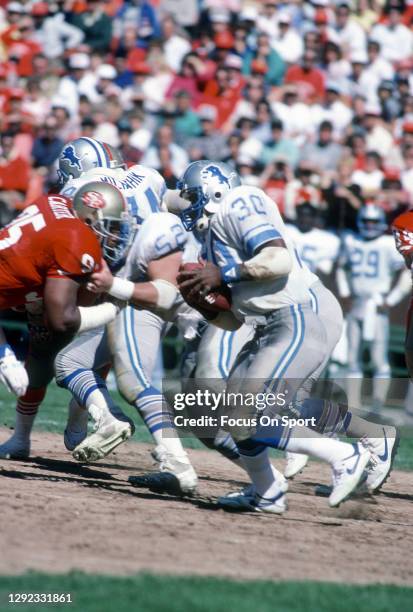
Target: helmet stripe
{"type": "Point", "coordinates": [108, 152]}
{"type": "Point", "coordinates": [93, 144]}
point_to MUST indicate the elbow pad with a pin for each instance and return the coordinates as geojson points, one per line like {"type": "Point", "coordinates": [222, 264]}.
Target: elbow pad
{"type": "Point", "coordinates": [167, 293]}
{"type": "Point", "coordinates": [269, 263]}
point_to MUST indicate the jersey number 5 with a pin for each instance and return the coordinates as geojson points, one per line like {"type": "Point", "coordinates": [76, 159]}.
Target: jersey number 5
{"type": "Point", "coordinates": [31, 216]}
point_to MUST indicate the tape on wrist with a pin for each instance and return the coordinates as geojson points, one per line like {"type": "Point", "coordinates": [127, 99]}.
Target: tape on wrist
{"type": "Point", "coordinates": [122, 289]}
{"type": "Point", "coordinates": [231, 274]}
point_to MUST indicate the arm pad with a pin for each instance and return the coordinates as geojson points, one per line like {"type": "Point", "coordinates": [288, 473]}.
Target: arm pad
{"type": "Point", "coordinates": [270, 262]}
{"type": "Point", "coordinates": [167, 293]}
{"type": "Point", "coordinates": [96, 316]}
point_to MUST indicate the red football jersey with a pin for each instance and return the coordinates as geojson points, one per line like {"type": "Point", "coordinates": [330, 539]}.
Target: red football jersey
{"type": "Point", "coordinates": [45, 240]}
{"type": "Point", "coordinates": [402, 228]}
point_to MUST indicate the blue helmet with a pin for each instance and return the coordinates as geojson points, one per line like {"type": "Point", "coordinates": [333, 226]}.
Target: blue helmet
{"type": "Point", "coordinates": [83, 154]}
{"type": "Point", "coordinates": [205, 184]}
{"type": "Point", "coordinates": [371, 221]}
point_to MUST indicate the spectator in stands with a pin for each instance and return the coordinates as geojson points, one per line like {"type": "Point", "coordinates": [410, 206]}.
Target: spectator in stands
{"type": "Point", "coordinates": [51, 30]}
{"type": "Point", "coordinates": [307, 76]}
{"type": "Point", "coordinates": [324, 154]}
{"type": "Point", "coordinates": [278, 146]}
{"type": "Point", "coordinates": [46, 146]}
{"type": "Point", "coordinates": [14, 173]}
{"type": "Point", "coordinates": [343, 198]}
{"type": "Point", "coordinates": [395, 38]}
{"type": "Point", "coordinates": [164, 153]}
{"type": "Point", "coordinates": [210, 143]}
{"type": "Point", "coordinates": [130, 154]}
{"type": "Point", "coordinates": [95, 24]}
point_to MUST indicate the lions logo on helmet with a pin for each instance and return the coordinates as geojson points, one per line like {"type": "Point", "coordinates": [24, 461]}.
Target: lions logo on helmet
{"type": "Point", "coordinates": [205, 184]}
{"type": "Point", "coordinates": [84, 154]}
{"type": "Point", "coordinates": [371, 221]}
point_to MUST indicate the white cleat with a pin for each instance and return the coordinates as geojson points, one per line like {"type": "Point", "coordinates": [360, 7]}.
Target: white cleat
{"type": "Point", "coordinates": [15, 448]}
{"type": "Point", "coordinates": [383, 451]}
{"type": "Point", "coordinates": [248, 500]}
{"type": "Point", "coordinates": [295, 464]}
{"type": "Point", "coordinates": [180, 467]}
{"type": "Point", "coordinates": [107, 436]}
{"type": "Point", "coordinates": [348, 474]}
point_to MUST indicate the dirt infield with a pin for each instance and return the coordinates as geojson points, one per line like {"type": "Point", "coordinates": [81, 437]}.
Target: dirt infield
{"type": "Point", "coordinates": [57, 516]}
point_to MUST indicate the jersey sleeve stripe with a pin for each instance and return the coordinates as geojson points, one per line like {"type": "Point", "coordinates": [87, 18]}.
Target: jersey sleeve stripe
{"type": "Point", "coordinates": [254, 242]}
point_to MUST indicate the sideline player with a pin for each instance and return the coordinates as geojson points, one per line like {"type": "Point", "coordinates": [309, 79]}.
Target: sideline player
{"type": "Point", "coordinates": [48, 254]}
{"type": "Point", "coordinates": [248, 249]}
{"type": "Point", "coordinates": [368, 267]}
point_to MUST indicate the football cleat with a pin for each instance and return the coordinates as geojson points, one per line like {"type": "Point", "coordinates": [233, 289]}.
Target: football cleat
{"type": "Point", "coordinates": [295, 464]}
{"type": "Point", "coordinates": [248, 500]}
{"type": "Point", "coordinates": [383, 451]}
{"type": "Point", "coordinates": [108, 434]}
{"type": "Point", "coordinates": [176, 475]}
{"type": "Point", "coordinates": [15, 448]}
{"type": "Point", "coordinates": [348, 474]}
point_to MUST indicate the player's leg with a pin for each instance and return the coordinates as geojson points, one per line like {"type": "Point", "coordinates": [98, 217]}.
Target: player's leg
{"type": "Point", "coordinates": [290, 350]}
{"type": "Point", "coordinates": [216, 354]}
{"type": "Point", "coordinates": [380, 358]}
{"type": "Point", "coordinates": [134, 340]}
{"type": "Point", "coordinates": [77, 368]}
{"type": "Point", "coordinates": [355, 370]}
{"type": "Point", "coordinates": [408, 346]}
{"type": "Point", "coordinates": [40, 369]}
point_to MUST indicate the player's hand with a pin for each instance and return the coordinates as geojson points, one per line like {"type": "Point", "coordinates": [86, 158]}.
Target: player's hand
{"type": "Point", "coordinates": [101, 282]}
{"type": "Point", "coordinates": [13, 374]}
{"type": "Point", "coordinates": [200, 281]}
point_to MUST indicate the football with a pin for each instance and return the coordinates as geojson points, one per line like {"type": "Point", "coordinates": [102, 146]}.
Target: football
{"type": "Point", "coordinates": [218, 300]}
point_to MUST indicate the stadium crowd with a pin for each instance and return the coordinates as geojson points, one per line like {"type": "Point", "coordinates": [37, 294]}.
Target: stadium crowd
{"type": "Point", "coordinates": [312, 101]}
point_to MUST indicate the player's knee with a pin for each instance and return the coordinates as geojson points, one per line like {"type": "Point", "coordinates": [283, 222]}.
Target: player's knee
{"type": "Point", "coordinates": [129, 387]}
{"type": "Point", "coordinates": [64, 366]}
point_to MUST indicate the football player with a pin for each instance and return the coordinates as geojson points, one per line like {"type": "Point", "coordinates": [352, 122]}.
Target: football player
{"type": "Point", "coordinates": [47, 255]}
{"type": "Point", "coordinates": [317, 248]}
{"type": "Point", "coordinates": [148, 282]}
{"type": "Point", "coordinates": [371, 275]}
{"type": "Point", "coordinates": [248, 249]}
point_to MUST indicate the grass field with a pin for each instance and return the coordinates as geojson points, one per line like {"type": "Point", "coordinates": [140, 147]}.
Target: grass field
{"type": "Point", "coordinates": [148, 593]}
{"type": "Point", "coordinates": [154, 593]}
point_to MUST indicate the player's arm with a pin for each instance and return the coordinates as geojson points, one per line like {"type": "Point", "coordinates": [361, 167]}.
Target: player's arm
{"type": "Point", "coordinates": [271, 260]}
{"type": "Point", "coordinates": [160, 291]}
{"type": "Point", "coordinates": [64, 316]}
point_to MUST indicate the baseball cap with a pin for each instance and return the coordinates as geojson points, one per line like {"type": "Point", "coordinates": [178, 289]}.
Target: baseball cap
{"type": "Point", "coordinates": [106, 71]}
{"type": "Point", "coordinates": [140, 67]}
{"type": "Point", "coordinates": [219, 15]}
{"type": "Point", "coordinates": [259, 66]}
{"type": "Point", "coordinates": [15, 7]}
{"type": "Point", "coordinates": [207, 112]}
{"type": "Point", "coordinates": [40, 9]}
{"type": "Point", "coordinates": [372, 109]}
{"type": "Point", "coordinates": [408, 127]}
{"type": "Point", "coordinates": [224, 40]}
{"type": "Point", "coordinates": [359, 57]}
{"type": "Point", "coordinates": [79, 61]}
{"type": "Point", "coordinates": [233, 61]}
{"type": "Point", "coordinates": [249, 13]}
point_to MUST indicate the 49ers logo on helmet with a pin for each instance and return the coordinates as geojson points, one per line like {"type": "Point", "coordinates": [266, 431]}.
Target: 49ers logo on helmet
{"type": "Point", "coordinates": [93, 199]}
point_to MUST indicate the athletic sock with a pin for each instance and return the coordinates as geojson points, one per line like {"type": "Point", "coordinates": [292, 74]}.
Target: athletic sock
{"type": "Point", "coordinates": [27, 408]}
{"type": "Point", "coordinates": [156, 415]}
{"type": "Point", "coordinates": [307, 442]}
{"type": "Point", "coordinates": [261, 472]}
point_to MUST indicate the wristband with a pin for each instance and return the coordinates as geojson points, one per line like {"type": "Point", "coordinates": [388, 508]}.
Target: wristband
{"type": "Point", "coordinates": [231, 274]}
{"type": "Point", "coordinates": [122, 289]}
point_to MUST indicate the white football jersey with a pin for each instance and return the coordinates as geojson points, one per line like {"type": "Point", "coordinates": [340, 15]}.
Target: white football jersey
{"type": "Point", "coordinates": [247, 219]}
{"type": "Point", "coordinates": [318, 249]}
{"type": "Point", "coordinates": [370, 264]}
{"type": "Point", "coordinates": [157, 237]}
{"type": "Point", "coordinates": [143, 188]}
